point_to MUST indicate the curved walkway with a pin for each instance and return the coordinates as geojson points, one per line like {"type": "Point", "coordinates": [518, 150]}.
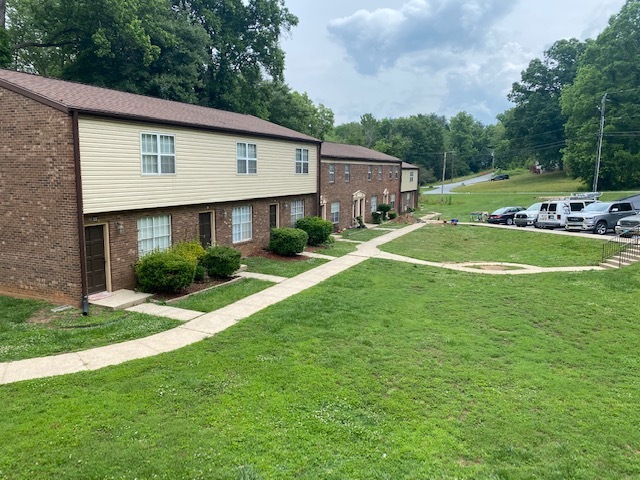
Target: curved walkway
{"type": "Point", "coordinates": [208, 324]}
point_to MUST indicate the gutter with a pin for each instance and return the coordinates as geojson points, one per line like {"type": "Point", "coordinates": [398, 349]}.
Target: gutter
{"type": "Point", "coordinates": [80, 213]}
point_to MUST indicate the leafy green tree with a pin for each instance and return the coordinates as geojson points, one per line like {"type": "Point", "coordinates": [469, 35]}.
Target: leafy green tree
{"type": "Point", "coordinates": [535, 127]}
{"type": "Point", "coordinates": [468, 140]}
{"type": "Point", "coordinates": [610, 65]}
{"type": "Point", "coordinates": [142, 46]}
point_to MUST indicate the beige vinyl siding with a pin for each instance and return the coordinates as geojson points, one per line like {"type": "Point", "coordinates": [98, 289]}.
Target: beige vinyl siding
{"type": "Point", "coordinates": [112, 178]}
{"type": "Point", "coordinates": [407, 185]}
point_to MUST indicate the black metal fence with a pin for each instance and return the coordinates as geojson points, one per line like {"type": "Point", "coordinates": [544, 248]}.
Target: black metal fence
{"type": "Point", "coordinates": [625, 248]}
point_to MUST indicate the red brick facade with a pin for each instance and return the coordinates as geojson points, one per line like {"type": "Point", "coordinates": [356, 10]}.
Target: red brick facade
{"type": "Point", "coordinates": [342, 191]}
{"type": "Point", "coordinates": [39, 246]}
{"type": "Point", "coordinates": [122, 250]}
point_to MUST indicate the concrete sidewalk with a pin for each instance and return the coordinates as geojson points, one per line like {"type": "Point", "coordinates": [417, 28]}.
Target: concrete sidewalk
{"type": "Point", "coordinates": [199, 326]}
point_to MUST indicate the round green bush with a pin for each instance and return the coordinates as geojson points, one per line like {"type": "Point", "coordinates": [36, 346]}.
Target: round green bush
{"type": "Point", "coordinates": [191, 251]}
{"type": "Point", "coordinates": [221, 261]}
{"type": "Point", "coordinates": [164, 272]}
{"type": "Point", "coordinates": [319, 230]}
{"type": "Point", "coordinates": [200, 273]}
{"type": "Point", "coordinates": [392, 215]}
{"type": "Point", "coordinates": [288, 241]}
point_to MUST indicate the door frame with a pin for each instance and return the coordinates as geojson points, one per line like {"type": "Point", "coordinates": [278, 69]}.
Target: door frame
{"type": "Point", "coordinates": [212, 216]}
{"type": "Point", "coordinates": [277, 205]}
{"type": "Point", "coordinates": [107, 253]}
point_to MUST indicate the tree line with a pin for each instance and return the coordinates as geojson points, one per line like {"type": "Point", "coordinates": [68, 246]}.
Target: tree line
{"type": "Point", "coordinates": [226, 54]}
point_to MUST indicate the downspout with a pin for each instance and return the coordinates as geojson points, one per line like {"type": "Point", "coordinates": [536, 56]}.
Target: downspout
{"type": "Point", "coordinates": [319, 183]}
{"type": "Point", "coordinates": [80, 213]}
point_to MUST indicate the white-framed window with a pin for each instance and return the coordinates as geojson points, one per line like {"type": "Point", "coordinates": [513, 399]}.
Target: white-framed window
{"type": "Point", "coordinates": [393, 200]}
{"type": "Point", "coordinates": [379, 172]}
{"type": "Point", "coordinates": [390, 173]}
{"type": "Point", "coordinates": [396, 172]}
{"type": "Point", "coordinates": [302, 160]}
{"type": "Point", "coordinates": [154, 233]}
{"type": "Point", "coordinates": [370, 173]}
{"type": "Point", "coordinates": [335, 212]}
{"type": "Point", "coordinates": [332, 172]}
{"type": "Point", "coordinates": [411, 175]}
{"type": "Point", "coordinates": [247, 158]}
{"type": "Point", "coordinates": [374, 203]}
{"type": "Point", "coordinates": [242, 225]}
{"type": "Point", "coordinates": [158, 154]}
{"type": "Point", "coordinates": [297, 211]}
{"type": "Point", "coordinates": [408, 199]}
{"type": "Point", "coordinates": [347, 173]}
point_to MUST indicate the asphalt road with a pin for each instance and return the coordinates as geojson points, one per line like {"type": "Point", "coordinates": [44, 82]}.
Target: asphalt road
{"type": "Point", "coordinates": [440, 190]}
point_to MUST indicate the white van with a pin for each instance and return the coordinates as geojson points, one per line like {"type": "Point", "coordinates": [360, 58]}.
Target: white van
{"type": "Point", "coordinates": [553, 214]}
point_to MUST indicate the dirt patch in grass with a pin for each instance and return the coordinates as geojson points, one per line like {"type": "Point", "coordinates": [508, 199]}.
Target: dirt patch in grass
{"type": "Point", "coordinates": [294, 258]}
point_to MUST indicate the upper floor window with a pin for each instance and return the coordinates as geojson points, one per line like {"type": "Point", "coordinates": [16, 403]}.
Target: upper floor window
{"type": "Point", "coordinates": [411, 176]}
{"type": "Point", "coordinates": [154, 233]}
{"type": "Point", "coordinates": [390, 173]}
{"type": "Point", "coordinates": [158, 154]}
{"type": "Point", "coordinates": [302, 160]}
{"type": "Point", "coordinates": [347, 173]}
{"type": "Point", "coordinates": [397, 169]}
{"type": "Point", "coordinates": [370, 172]}
{"type": "Point", "coordinates": [247, 158]}
{"type": "Point", "coordinates": [332, 172]}
{"type": "Point", "coordinates": [379, 172]}
{"type": "Point", "coordinates": [297, 211]}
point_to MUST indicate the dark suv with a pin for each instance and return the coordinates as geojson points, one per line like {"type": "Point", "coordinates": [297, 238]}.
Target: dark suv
{"type": "Point", "coordinates": [502, 176]}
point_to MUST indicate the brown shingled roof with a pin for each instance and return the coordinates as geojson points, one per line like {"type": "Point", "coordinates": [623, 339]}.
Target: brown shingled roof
{"type": "Point", "coordinates": [355, 152]}
{"type": "Point", "coordinates": [70, 96]}
{"type": "Point", "coordinates": [409, 166]}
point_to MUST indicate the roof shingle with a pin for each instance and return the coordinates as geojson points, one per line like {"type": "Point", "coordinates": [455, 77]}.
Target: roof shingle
{"type": "Point", "coordinates": [71, 96]}
{"type": "Point", "coordinates": [355, 152]}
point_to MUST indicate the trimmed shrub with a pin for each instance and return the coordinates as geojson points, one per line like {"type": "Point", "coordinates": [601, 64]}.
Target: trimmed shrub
{"type": "Point", "coordinates": [221, 261]}
{"type": "Point", "coordinates": [384, 208]}
{"type": "Point", "coordinates": [164, 272]}
{"type": "Point", "coordinates": [319, 230]}
{"type": "Point", "coordinates": [191, 251]}
{"type": "Point", "coordinates": [200, 273]}
{"type": "Point", "coordinates": [377, 217]}
{"type": "Point", "coordinates": [288, 241]}
{"type": "Point", "coordinates": [392, 215]}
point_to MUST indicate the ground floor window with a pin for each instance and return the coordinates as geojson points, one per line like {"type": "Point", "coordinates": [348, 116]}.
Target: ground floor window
{"type": "Point", "coordinates": [393, 200]}
{"type": "Point", "coordinates": [154, 233]}
{"type": "Point", "coordinates": [374, 203]}
{"type": "Point", "coordinates": [297, 211]}
{"type": "Point", "coordinates": [409, 199]}
{"type": "Point", "coordinates": [335, 212]}
{"type": "Point", "coordinates": [242, 224]}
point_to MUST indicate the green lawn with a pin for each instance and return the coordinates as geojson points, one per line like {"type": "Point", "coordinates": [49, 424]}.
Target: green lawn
{"type": "Point", "coordinates": [362, 234]}
{"type": "Point", "coordinates": [338, 249]}
{"type": "Point", "coordinates": [435, 374]}
{"type": "Point", "coordinates": [463, 243]}
{"type": "Point", "coordinates": [284, 267]}
{"type": "Point", "coordinates": [67, 331]}
{"type": "Point", "coordinates": [223, 295]}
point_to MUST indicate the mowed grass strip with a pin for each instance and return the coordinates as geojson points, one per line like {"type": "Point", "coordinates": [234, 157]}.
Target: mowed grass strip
{"type": "Point", "coordinates": [29, 329]}
{"type": "Point", "coordinates": [437, 374]}
{"type": "Point", "coordinates": [464, 243]}
{"type": "Point", "coordinates": [284, 267]}
{"type": "Point", "coordinates": [223, 295]}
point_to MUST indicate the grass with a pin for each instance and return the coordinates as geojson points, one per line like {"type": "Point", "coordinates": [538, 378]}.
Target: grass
{"type": "Point", "coordinates": [463, 243]}
{"type": "Point", "coordinates": [223, 295]}
{"type": "Point", "coordinates": [437, 374]}
{"type": "Point", "coordinates": [362, 234]}
{"type": "Point", "coordinates": [282, 268]}
{"type": "Point", "coordinates": [552, 182]}
{"type": "Point", "coordinates": [67, 331]}
{"type": "Point", "coordinates": [338, 249]}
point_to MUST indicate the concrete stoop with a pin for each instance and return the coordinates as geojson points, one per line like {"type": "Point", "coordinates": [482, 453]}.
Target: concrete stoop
{"type": "Point", "coordinates": [119, 300]}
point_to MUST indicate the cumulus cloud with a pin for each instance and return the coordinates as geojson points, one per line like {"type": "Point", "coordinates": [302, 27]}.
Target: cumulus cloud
{"type": "Point", "coordinates": [378, 39]}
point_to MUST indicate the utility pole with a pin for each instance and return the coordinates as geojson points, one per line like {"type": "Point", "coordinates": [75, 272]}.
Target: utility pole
{"type": "Point", "coordinates": [597, 172]}
{"type": "Point", "coordinates": [444, 169]}
{"type": "Point", "coordinates": [453, 165]}
{"type": "Point", "coordinates": [493, 160]}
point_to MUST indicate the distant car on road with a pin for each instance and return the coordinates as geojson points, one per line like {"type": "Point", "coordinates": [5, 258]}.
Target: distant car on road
{"type": "Point", "coordinates": [504, 215]}
{"type": "Point", "coordinates": [502, 176]}
{"type": "Point", "coordinates": [528, 217]}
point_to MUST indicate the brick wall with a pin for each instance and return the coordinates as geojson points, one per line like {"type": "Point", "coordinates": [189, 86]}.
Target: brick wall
{"type": "Point", "coordinates": [39, 250]}
{"type": "Point", "coordinates": [123, 229]}
{"type": "Point", "coordinates": [341, 191]}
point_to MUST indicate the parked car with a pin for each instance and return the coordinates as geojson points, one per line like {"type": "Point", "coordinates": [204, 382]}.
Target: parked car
{"type": "Point", "coordinates": [504, 215]}
{"type": "Point", "coordinates": [502, 176]}
{"type": "Point", "coordinates": [628, 226]}
{"type": "Point", "coordinates": [599, 217]}
{"type": "Point", "coordinates": [554, 214]}
{"type": "Point", "coordinates": [528, 217]}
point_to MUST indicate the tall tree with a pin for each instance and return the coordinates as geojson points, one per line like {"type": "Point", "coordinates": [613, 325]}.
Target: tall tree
{"type": "Point", "coordinates": [5, 49]}
{"type": "Point", "coordinates": [468, 142]}
{"type": "Point", "coordinates": [535, 127]}
{"type": "Point", "coordinates": [142, 46]}
{"type": "Point", "coordinates": [611, 66]}
{"type": "Point", "coordinates": [244, 47]}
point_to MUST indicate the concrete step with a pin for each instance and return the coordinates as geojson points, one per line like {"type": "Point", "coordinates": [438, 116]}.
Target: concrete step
{"type": "Point", "coordinates": [119, 300]}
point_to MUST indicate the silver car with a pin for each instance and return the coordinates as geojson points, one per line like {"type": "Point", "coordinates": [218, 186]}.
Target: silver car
{"type": "Point", "coordinates": [628, 226]}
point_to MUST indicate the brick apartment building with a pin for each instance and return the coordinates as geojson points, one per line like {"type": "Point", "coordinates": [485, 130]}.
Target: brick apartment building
{"type": "Point", "coordinates": [91, 179]}
{"type": "Point", "coordinates": [354, 180]}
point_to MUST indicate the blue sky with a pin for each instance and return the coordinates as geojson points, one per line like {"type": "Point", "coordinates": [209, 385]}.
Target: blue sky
{"type": "Point", "coordinates": [399, 58]}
